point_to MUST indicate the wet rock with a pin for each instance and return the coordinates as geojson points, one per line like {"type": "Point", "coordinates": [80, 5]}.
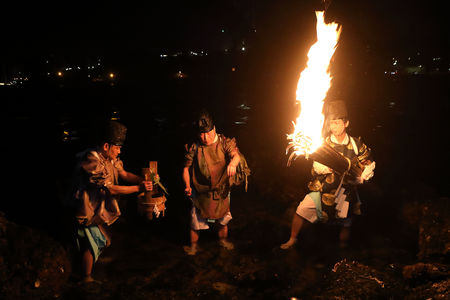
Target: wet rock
{"type": "Point", "coordinates": [223, 287]}
{"type": "Point", "coordinates": [428, 280]}
{"type": "Point", "coordinates": [32, 264]}
{"type": "Point", "coordinates": [434, 230]}
{"type": "Point", "coordinates": [436, 290]}
{"type": "Point", "coordinates": [426, 272]}
{"type": "Point", "coordinates": [353, 280]}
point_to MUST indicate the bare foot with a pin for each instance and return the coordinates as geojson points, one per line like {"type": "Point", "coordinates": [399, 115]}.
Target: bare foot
{"type": "Point", "coordinates": [89, 279]}
{"type": "Point", "coordinates": [289, 244]}
{"type": "Point", "coordinates": [226, 244]}
{"type": "Point", "coordinates": [343, 244]}
{"type": "Point", "coordinates": [191, 250]}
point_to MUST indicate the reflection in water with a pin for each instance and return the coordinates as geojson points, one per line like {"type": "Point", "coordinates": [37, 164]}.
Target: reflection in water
{"type": "Point", "coordinates": [242, 112]}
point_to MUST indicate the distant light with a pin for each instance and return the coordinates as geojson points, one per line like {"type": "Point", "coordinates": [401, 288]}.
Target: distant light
{"type": "Point", "coordinates": [59, 74]}
{"type": "Point", "coordinates": [243, 48]}
{"type": "Point", "coordinates": [233, 69]}
{"type": "Point", "coordinates": [180, 74]}
{"type": "Point", "coordinates": [243, 106]}
{"type": "Point", "coordinates": [111, 75]}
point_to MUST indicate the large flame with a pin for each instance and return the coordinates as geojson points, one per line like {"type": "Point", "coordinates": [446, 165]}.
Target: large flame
{"type": "Point", "coordinates": [312, 88]}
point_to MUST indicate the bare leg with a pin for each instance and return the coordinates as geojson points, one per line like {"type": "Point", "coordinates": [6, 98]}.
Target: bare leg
{"type": "Point", "coordinates": [87, 264]}
{"type": "Point", "coordinates": [223, 235]}
{"type": "Point", "coordinates": [297, 224]}
{"type": "Point", "coordinates": [192, 249]}
{"type": "Point", "coordinates": [223, 231]}
{"type": "Point", "coordinates": [344, 236]}
{"type": "Point", "coordinates": [194, 236]}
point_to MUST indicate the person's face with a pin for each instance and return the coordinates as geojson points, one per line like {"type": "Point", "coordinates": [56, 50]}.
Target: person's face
{"type": "Point", "coordinates": [111, 151]}
{"type": "Point", "coordinates": [338, 127]}
{"type": "Point", "coordinates": [207, 138]}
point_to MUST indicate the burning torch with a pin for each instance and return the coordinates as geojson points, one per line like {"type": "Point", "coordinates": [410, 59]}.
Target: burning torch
{"type": "Point", "coordinates": [313, 85]}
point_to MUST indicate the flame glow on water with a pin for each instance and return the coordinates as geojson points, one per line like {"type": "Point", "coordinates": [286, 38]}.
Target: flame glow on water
{"type": "Point", "coordinates": [312, 88]}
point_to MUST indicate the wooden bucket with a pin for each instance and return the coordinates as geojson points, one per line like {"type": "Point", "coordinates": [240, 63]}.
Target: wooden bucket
{"type": "Point", "coordinates": [149, 206]}
{"type": "Point", "coordinates": [151, 203]}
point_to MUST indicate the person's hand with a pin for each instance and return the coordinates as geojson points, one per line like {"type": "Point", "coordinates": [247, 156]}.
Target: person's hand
{"type": "Point", "coordinates": [368, 172]}
{"type": "Point", "coordinates": [188, 191]}
{"type": "Point", "coordinates": [358, 180]}
{"type": "Point", "coordinates": [231, 170]}
{"type": "Point", "coordinates": [321, 169]}
{"type": "Point", "coordinates": [146, 186]}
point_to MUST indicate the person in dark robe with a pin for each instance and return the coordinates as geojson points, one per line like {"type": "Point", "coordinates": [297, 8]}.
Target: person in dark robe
{"type": "Point", "coordinates": [209, 164]}
{"type": "Point", "coordinates": [96, 188]}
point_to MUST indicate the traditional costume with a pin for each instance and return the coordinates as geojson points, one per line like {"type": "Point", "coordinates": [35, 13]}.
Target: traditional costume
{"type": "Point", "coordinates": [95, 208]}
{"type": "Point", "coordinates": [210, 182]}
{"type": "Point", "coordinates": [334, 197]}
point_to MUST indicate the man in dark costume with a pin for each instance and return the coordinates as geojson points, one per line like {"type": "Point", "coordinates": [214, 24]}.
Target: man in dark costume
{"type": "Point", "coordinates": [333, 198]}
{"type": "Point", "coordinates": [209, 165]}
{"type": "Point", "coordinates": [96, 191]}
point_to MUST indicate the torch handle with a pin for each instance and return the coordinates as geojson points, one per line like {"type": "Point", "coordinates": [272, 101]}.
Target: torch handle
{"type": "Point", "coordinates": [329, 157]}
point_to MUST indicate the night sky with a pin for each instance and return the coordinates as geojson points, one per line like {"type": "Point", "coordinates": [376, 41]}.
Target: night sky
{"type": "Point", "coordinates": [42, 26]}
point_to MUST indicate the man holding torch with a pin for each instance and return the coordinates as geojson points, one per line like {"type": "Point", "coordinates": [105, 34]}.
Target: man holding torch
{"type": "Point", "coordinates": [333, 197]}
